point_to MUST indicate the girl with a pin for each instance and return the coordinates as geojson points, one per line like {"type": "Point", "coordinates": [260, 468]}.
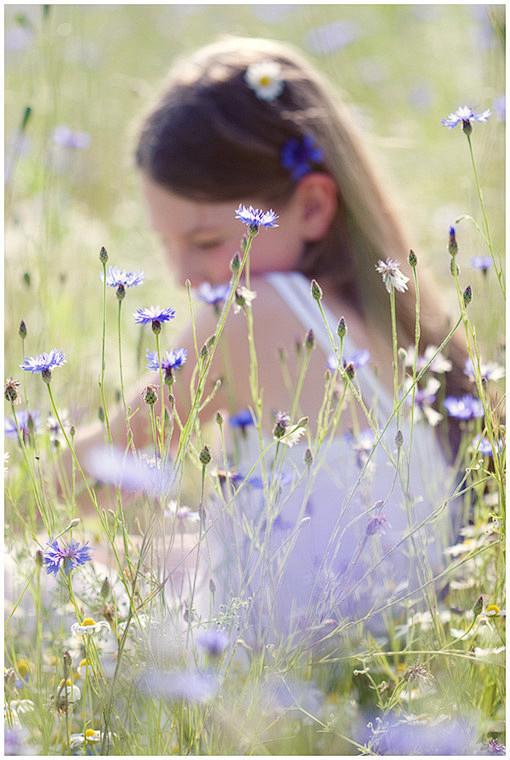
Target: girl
{"type": "Point", "coordinates": [345, 522]}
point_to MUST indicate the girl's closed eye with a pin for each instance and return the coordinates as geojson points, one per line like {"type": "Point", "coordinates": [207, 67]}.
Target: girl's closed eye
{"type": "Point", "coordinates": [208, 244]}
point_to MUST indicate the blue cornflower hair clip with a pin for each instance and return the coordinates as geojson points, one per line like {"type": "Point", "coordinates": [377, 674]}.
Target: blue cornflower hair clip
{"type": "Point", "coordinates": [298, 156]}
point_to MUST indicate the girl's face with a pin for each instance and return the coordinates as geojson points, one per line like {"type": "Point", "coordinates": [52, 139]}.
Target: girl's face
{"type": "Point", "coordinates": [201, 238]}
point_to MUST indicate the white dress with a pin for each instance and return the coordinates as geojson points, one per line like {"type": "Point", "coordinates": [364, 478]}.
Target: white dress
{"type": "Point", "coordinates": [339, 540]}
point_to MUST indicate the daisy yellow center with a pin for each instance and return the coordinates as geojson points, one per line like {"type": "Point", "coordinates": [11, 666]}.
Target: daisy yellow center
{"type": "Point", "coordinates": [89, 621]}
{"type": "Point", "coordinates": [90, 732]}
{"type": "Point", "coordinates": [492, 608]}
{"type": "Point", "coordinates": [23, 667]}
{"type": "Point", "coordinates": [264, 81]}
{"type": "Point", "coordinates": [83, 663]}
{"type": "Point", "coordinates": [65, 683]}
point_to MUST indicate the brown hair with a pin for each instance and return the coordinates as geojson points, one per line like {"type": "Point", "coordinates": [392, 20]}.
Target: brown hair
{"type": "Point", "coordinates": [210, 138]}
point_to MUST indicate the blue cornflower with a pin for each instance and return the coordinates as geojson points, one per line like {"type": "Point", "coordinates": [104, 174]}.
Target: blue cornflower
{"type": "Point", "coordinates": [213, 641]}
{"type": "Point", "coordinates": [465, 115]}
{"type": "Point", "coordinates": [358, 359]}
{"type": "Point", "coordinates": [116, 277]}
{"type": "Point", "coordinates": [170, 361]}
{"type": "Point", "coordinates": [242, 419]}
{"type": "Point", "coordinates": [483, 446]}
{"type": "Point", "coordinates": [493, 747]}
{"type": "Point", "coordinates": [256, 218]}
{"type": "Point", "coordinates": [482, 262]}
{"type": "Point", "coordinates": [490, 371]}
{"type": "Point", "coordinates": [70, 556]}
{"type": "Point", "coordinates": [28, 424]}
{"type": "Point", "coordinates": [466, 407]}
{"type": "Point", "coordinates": [44, 363]}
{"type": "Point", "coordinates": [153, 316]}
{"type": "Point", "coordinates": [298, 156]}
{"type": "Point", "coordinates": [216, 295]}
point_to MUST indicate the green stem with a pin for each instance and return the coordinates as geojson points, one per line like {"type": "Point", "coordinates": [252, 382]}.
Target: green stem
{"type": "Point", "coordinates": [103, 364]}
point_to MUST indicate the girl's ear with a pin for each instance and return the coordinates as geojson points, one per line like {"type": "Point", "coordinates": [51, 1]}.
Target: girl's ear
{"type": "Point", "coordinates": [317, 198]}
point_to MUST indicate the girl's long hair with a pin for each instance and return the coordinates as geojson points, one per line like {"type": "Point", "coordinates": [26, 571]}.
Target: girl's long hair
{"type": "Point", "coordinates": [210, 138]}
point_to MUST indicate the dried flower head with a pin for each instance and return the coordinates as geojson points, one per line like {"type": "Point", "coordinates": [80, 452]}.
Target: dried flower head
{"type": "Point", "coordinates": [392, 276]}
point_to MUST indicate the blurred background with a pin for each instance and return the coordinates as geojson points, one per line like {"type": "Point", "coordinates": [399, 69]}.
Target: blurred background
{"type": "Point", "coordinates": [77, 78]}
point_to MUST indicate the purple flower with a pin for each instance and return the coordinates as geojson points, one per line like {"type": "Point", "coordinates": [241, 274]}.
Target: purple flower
{"type": "Point", "coordinates": [129, 472]}
{"type": "Point", "coordinates": [70, 556]}
{"type": "Point", "coordinates": [298, 156]}
{"type": "Point", "coordinates": [170, 361]}
{"type": "Point", "coordinates": [256, 218]}
{"type": "Point", "coordinates": [489, 371]}
{"type": "Point", "coordinates": [483, 446]}
{"type": "Point", "coordinates": [392, 276]}
{"type": "Point", "coordinates": [482, 262]}
{"type": "Point", "coordinates": [330, 37]}
{"type": "Point", "coordinates": [465, 115]}
{"type": "Point", "coordinates": [436, 361]}
{"type": "Point", "coordinates": [493, 747]}
{"type": "Point", "coordinates": [64, 137]}
{"type": "Point", "coordinates": [358, 359]}
{"type": "Point", "coordinates": [176, 685]}
{"type": "Point", "coordinates": [28, 424]}
{"type": "Point", "coordinates": [116, 277]}
{"type": "Point", "coordinates": [466, 407]}
{"type": "Point", "coordinates": [242, 419]}
{"type": "Point", "coordinates": [213, 641]}
{"type": "Point", "coordinates": [216, 295]}
{"type": "Point", "coordinates": [44, 363]}
{"type": "Point", "coordinates": [153, 316]}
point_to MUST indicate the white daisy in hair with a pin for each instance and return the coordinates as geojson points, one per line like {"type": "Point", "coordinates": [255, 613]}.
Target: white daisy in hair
{"type": "Point", "coordinates": [265, 79]}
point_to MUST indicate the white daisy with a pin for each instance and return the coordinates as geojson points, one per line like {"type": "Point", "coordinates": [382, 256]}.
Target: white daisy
{"type": "Point", "coordinates": [264, 79]}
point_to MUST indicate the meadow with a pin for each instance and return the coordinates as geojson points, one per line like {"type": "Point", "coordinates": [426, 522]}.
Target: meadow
{"type": "Point", "coordinates": [102, 655]}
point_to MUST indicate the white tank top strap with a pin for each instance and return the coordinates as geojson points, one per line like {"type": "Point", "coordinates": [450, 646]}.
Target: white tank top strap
{"type": "Point", "coordinates": [295, 289]}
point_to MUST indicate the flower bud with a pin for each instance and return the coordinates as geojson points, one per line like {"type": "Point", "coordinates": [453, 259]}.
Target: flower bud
{"type": "Point", "coordinates": [22, 330]}
{"type": "Point", "coordinates": [399, 439]}
{"type": "Point", "coordinates": [103, 255]}
{"type": "Point", "coordinates": [235, 263]}
{"type": "Point", "coordinates": [205, 456]}
{"type": "Point", "coordinates": [452, 243]}
{"type": "Point", "coordinates": [478, 606]}
{"type": "Point", "coordinates": [204, 352]}
{"type": "Point", "coordinates": [11, 391]}
{"type": "Point", "coordinates": [308, 458]}
{"type": "Point", "coordinates": [467, 295]}
{"type": "Point", "coordinates": [310, 340]}
{"type": "Point", "coordinates": [39, 558]}
{"type": "Point", "coordinates": [219, 418]}
{"type": "Point", "coordinates": [341, 329]}
{"type": "Point", "coordinates": [100, 414]}
{"type": "Point", "coordinates": [350, 371]}
{"type": "Point", "coordinates": [149, 394]}
{"type": "Point", "coordinates": [212, 586]}
{"type": "Point", "coordinates": [402, 354]}
{"type": "Point", "coordinates": [316, 291]}
{"type": "Point", "coordinates": [105, 588]}
{"type": "Point", "coordinates": [413, 259]}
{"type": "Point", "coordinates": [454, 269]}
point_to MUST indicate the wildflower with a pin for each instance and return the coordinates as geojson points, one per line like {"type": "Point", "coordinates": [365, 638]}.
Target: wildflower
{"type": "Point", "coordinates": [464, 408]}
{"type": "Point", "coordinates": [392, 276]}
{"type": "Point", "coordinates": [377, 524]}
{"type": "Point", "coordinates": [82, 667]}
{"type": "Point", "coordinates": [362, 445]}
{"type": "Point", "coordinates": [54, 429]}
{"type": "Point", "coordinates": [281, 430]}
{"type": "Point", "coordinates": [478, 606]}
{"type": "Point", "coordinates": [424, 398]}
{"type": "Point", "coordinates": [492, 610]}
{"type": "Point", "coordinates": [488, 372]}
{"type": "Point", "coordinates": [213, 641]}
{"type": "Point", "coordinates": [27, 422]}
{"type": "Point", "coordinates": [265, 79]}
{"type": "Point", "coordinates": [67, 693]}
{"type": "Point", "coordinates": [64, 137]}
{"type": "Point", "coordinates": [358, 359]}
{"type": "Point", "coordinates": [22, 330]}
{"type": "Point", "coordinates": [153, 316]}
{"type": "Point", "coordinates": [70, 556]}
{"type": "Point", "coordinates": [150, 394]}
{"type": "Point", "coordinates": [185, 518]}
{"type": "Point", "coordinates": [11, 391]}
{"type": "Point", "coordinates": [191, 686]}
{"type": "Point", "coordinates": [482, 262]}
{"type": "Point", "coordinates": [418, 672]}
{"type": "Point", "coordinates": [90, 735]}
{"type": "Point", "coordinates": [465, 115]}
{"type": "Point", "coordinates": [88, 627]}
{"type": "Point", "coordinates": [436, 361]}
{"type": "Point", "coordinates": [329, 37]}
{"type": "Point", "coordinates": [171, 360]}
{"type": "Point", "coordinates": [44, 363]}
{"type": "Point", "coordinates": [493, 747]}
{"type": "Point", "coordinates": [467, 296]}
{"type": "Point", "coordinates": [482, 445]}
{"type": "Point", "coordinates": [452, 243]}
{"type": "Point", "coordinates": [256, 218]}
{"type": "Point", "coordinates": [298, 156]}
{"type": "Point", "coordinates": [216, 295]}
{"type": "Point", "coordinates": [243, 298]}
{"type": "Point", "coordinates": [242, 420]}
{"type": "Point", "coordinates": [341, 329]}
{"type": "Point", "coordinates": [316, 291]}
{"type": "Point", "coordinates": [103, 255]}
{"type": "Point", "coordinates": [121, 279]}
{"type": "Point", "coordinates": [129, 472]}
{"type": "Point", "coordinates": [21, 706]}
